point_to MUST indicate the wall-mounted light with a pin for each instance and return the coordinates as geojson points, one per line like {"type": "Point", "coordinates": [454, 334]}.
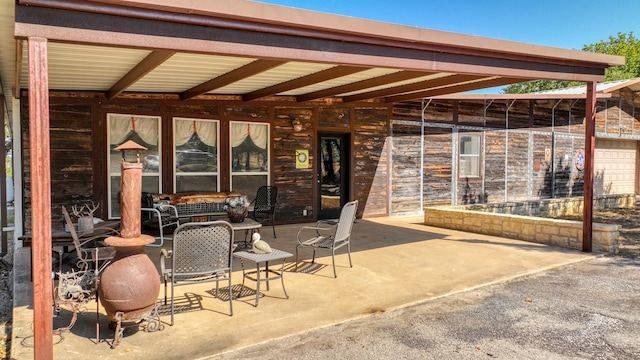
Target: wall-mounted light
{"type": "Point", "coordinates": [297, 125]}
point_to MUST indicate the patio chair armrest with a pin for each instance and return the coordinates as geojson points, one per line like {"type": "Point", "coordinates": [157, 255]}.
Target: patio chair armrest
{"type": "Point", "coordinates": [325, 227]}
{"type": "Point", "coordinates": [172, 210]}
{"type": "Point", "coordinates": [306, 229]}
{"type": "Point", "coordinates": [314, 240]}
{"type": "Point", "coordinates": [331, 222]}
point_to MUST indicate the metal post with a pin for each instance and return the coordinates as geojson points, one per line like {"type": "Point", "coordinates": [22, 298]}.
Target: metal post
{"type": "Point", "coordinates": [3, 184]}
{"type": "Point", "coordinates": [590, 118]}
{"type": "Point", "coordinates": [40, 198]}
{"type": "Point", "coordinates": [423, 108]}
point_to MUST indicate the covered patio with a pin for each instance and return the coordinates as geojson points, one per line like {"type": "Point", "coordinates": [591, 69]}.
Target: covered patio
{"type": "Point", "coordinates": [397, 262]}
{"type": "Point", "coordinates": [246, 61]}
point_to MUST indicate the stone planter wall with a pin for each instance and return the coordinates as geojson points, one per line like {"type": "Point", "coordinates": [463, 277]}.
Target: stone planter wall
{"type": "Point", "coordinates": [528, 221]}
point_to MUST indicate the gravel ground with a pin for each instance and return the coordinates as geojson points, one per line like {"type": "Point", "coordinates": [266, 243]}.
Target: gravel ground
{"type": "Point", "coordinates": [590, 310]}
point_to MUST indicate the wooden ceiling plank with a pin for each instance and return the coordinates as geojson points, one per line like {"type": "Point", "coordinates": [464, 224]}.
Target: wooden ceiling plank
{"type": "Point", "coordinates": [232, 76]}
{"type": "Point", "coordinates": [421, 85]}
{"type": "Point", "coordinates": [454, 89]}
{"type": "Point", "coordinates": [363, 84]}
{"type": "Point", "coordinates": [320, 76]}
{"type": "Point", "coordinates": [152, 61]}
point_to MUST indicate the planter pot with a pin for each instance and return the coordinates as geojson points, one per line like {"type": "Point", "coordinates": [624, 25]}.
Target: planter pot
{"type": "Point", "coordinates": [237, 215]}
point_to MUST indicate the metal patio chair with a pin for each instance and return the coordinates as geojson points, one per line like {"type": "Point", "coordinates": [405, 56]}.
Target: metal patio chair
{"type": "Point", "coordinates": [88, 250]}
{"type": "Point", "coordinates": [264, 205]}
{"type": "Point", "coordinates": [160, 216]}
{"type": "Point", "coordinates": [201, 252]}
{"type": "Point", "coordinates": [329, 234]}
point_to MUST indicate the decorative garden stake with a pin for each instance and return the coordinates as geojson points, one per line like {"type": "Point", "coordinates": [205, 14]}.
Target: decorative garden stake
{"type": "Point", "coordinates": [130, 285]}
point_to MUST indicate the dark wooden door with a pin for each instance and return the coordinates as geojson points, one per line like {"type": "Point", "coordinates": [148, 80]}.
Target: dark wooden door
{"type": "Point", "coordinates": [333, 174]}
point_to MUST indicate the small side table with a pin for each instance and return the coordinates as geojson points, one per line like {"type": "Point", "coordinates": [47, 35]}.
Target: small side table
{"type": "Point", "coordinates": [269, 274]}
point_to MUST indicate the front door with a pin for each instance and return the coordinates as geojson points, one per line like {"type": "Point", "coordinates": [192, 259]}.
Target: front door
{"type": "Point", "coordinates": [333, 174]}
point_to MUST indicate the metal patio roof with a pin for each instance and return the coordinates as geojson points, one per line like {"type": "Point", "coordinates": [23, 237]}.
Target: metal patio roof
{"type": "Point", "coordinates": [604, 87]}
{"type": "Point", "coordinates": [603, 90]}
{"type": "Point", "coordinates": [246, 50]}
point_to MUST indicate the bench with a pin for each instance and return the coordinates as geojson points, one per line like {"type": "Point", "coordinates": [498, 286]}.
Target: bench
{"type": "Point", "coordinates": [196, 204]}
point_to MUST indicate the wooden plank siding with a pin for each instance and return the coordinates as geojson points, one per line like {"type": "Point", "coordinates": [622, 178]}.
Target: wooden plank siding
{"type": "Point", "coordinates": [517, 165]}
{"type": "Point", "coordinates": [370, 160]}
{"type": "Point", "coordinates": [528, 150]}
{"type": "Point", "coordinates": [495, 160]}
{"type": "Point", "coordinates": [71, 158]}
{"type": "Point", "coordinates": [78, 147]}
{"type": "Point", "coordinates": [295, 186]}
{"type": "Point", "coordinates": [528, 147]}
{"type": "Point", "coordinates": [542, 165]}
{"type": "Point", "coordinates": [438, 166]}
{"type": "Point", "coordinates": [405, 159]}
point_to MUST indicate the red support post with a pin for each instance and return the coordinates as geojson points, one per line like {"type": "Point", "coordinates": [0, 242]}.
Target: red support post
{"type": "Point", "coordinates": [3, 183]}
{"type": "Point", "coordinates": [589, 145]}
{"type": "Point", "coordinates": [41, 198]}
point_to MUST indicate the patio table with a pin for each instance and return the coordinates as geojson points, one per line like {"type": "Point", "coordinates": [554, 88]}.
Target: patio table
{"type": "Point", "coordinates": [269, 274]}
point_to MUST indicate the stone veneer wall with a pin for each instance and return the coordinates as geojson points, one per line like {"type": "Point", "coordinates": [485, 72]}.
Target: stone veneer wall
{"type": "Point", "coordinates": [555, 207]}
{"type": "Point", "coordinates": [527, 221]}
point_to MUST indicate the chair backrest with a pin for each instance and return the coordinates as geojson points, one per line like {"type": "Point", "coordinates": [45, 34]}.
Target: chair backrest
{"type": "Point", "coordinates": [347, 217]}
{"type": "Point", "coordinates": [202, 248]}
{"type": "Point", "coordinates": [266, 199]}
{"type": "Point", "coordinates": [74, 234]}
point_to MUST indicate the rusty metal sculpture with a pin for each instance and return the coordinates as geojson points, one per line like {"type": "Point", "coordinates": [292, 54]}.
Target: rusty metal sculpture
{"type": "Point", "coordinates": [130, 285]}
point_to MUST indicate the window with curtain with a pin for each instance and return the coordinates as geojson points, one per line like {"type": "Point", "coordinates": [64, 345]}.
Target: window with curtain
{"type": "Point", "coordinates": [195, 154]}
{"type": "Point", "coordinates": [144, 130]}
{"type": "Point", "coordinates": [249, 156]}
{"type": "Point", "coordinates": [469, 157]}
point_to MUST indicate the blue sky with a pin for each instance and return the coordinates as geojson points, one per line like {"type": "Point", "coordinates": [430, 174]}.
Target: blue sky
{"type": "Point", "coordinates": [560, 23]}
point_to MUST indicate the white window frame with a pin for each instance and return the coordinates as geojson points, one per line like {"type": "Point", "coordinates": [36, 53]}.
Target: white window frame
{"type": "Point", "coordinates": [112, 172]}
{"type": "Point", "coordinates": [217, 145]}
{"type": "Point", "coordinates": [469, 158]}
{"type": "Point", "coordinates": [267, 172]}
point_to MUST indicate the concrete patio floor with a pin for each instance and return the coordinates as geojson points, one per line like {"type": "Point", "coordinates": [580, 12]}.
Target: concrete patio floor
{"type": "Point", "coordinates": [397, 261]}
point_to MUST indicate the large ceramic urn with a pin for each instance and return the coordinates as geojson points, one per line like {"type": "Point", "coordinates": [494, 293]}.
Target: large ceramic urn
{"type": "Point", "coordinates": [130, 285]}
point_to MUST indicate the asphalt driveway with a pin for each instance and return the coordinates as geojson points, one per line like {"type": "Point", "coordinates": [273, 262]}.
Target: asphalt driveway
{"type": "Point", "coordinates": [588, 310]}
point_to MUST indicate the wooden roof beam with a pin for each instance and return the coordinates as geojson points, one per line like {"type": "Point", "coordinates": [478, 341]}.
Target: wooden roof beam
{"type": "Point", "coordinates": [421, 85]}
{"type": "Point", "coordinates": [491, 82]}
{"type": "Point", "coordinates": [152, 61]}
{"type": "Point", "coordinates": [320, 76]}
{"type": "Point", "coordinates": [363, 84]}
{"type": "Point", "coordinates": [232, 76]}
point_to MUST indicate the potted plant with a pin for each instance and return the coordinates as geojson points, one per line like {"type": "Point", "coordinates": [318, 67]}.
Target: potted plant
{"type": "Point", "coordinates": [237, 208]}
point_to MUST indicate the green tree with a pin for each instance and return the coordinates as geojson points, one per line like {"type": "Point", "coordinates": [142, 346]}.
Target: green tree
{"type": "Point", "coordinates": [626, 45]}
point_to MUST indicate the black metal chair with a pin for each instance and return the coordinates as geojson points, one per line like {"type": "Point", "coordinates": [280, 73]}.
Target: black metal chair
{"type": "Point", "coordinates": [264, 205]}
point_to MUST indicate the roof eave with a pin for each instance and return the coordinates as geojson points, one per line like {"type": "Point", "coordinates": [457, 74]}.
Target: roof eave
{"type": "Point", "coordinates": [330, 24]}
